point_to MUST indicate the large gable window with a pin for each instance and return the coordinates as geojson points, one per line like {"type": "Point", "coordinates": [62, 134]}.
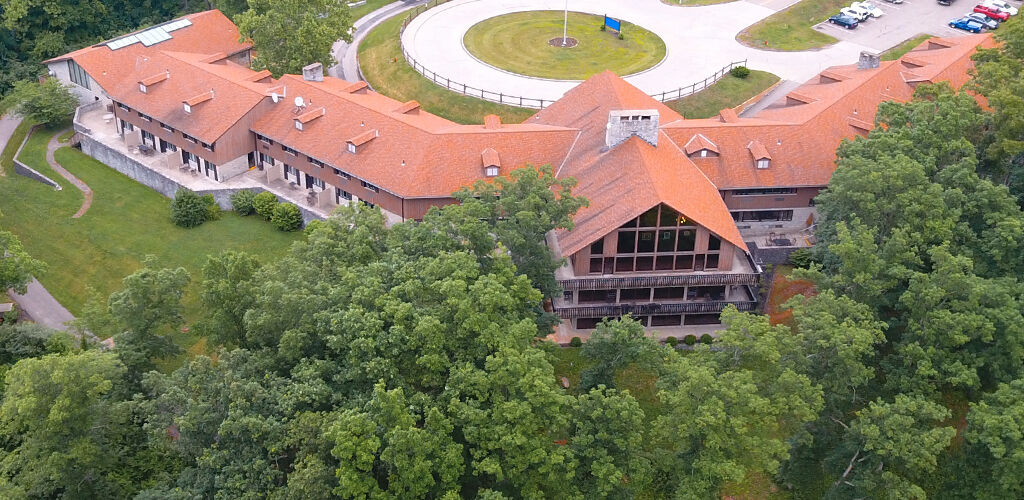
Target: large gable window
{"type": "Point", "coordinates": [77, 74]}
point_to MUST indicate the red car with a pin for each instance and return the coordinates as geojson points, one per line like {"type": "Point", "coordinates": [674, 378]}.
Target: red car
{"type": "Point", "coordinates": [992, 12]}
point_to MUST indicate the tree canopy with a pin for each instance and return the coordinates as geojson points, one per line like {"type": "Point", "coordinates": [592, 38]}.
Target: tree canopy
{"type": "Point", "coordinates": [289, 34]}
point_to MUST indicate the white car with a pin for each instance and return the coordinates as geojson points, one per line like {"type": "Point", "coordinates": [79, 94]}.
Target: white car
{"type": "Point", "coordinates": [1003, 6]}
{"type": "Point", "coordinates": [858, 14]}
{"type": "Point", "coordinates": [871, 9]}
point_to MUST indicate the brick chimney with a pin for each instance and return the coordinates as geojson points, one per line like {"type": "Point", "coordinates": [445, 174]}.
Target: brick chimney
{"type": "Point", "coordinates": [625, 123]}
{"type": "Point", "coordinates": [868, 60]}
{"type": "Point", "coordinates": [313, 72]}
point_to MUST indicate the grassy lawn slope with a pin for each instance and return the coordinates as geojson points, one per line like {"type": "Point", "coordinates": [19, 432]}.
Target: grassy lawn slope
{"type": "Point", "coordinates": [382, 64]}
{"type": "Point", "coordinates": [518, 43]}
{"type": "Point", "coordinates": [793, 28]}
{"type": "Point", "coordinates": [898, 51]}
{"type": "Point", "coordinates": [126, 222]}
{"type": "Point", "coordinates": [728, 92]}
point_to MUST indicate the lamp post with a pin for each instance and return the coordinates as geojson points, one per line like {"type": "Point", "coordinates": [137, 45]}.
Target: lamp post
{"type": "Point", "coordinates": [565, 24]}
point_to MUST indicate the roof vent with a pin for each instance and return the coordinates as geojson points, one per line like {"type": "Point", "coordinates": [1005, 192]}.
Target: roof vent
{"type": "Point", "coordinates": [313, 72]}
{"type": "Point", "coordinates": [868, 60]}
{"type": "Point", "coordinates": [625, 123]}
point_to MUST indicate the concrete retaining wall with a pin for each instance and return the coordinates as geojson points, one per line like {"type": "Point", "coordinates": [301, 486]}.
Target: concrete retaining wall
{"type": "Point", "coordinates": [157, 181]}
{"type": "Point", "coordinates": [27, 171]}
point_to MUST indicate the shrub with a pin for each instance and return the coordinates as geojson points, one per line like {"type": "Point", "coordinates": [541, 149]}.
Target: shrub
{"type": "Point", "coordinates": [48, 103]}
{"type": "Point", "coordinates": [740, 72]}
{"type": "Point", "coordinates": [242, 202]}
{"type": "Point", "coordinates": [575, 342]}
{"type": "Point", "coordinates": [264, 204]}
{"type": "Point", "coordinates": [212, 208]}
{"type": "Point", "coordinates": [287, 217]}
{"type": "Point", "coordinates": [188, 209]}
{"type": "Point", "coordinates": [706, 338]}
{"type": "Point", "coordinates": [621, 37]}
{"type": "Point", "coordinates": [690, 340]}
{"type": "Point", "coordinates": [671, 341]}
{"type": "Point", "coordinates": [604, 28]}
{"type": "Point", "coordinates": [10, 317]}
{"type": "Point", "coordinates": [801, 257]}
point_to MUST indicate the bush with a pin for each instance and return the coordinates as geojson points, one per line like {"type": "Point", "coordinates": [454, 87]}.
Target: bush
{"type": "Point", "coordinates": [671, 341]}
{"type": "Point", "coordinates": [242, 202]}
{"type": "Point", "coordinates": [212, 208]}
{"type": "Point", "coordinates": [740, 72]}
{"type": "Point", "coordinates": [604, 27]}
{"type": "Point", "coordinates": [287, 217]}
{"type": "Point", "coordinates": [49, 103]}
{"type": "Point", "coordinates": [801, 257]}
{"type": "Point", "coordinates": [706, 338]}
{"type": "Point", "coordinates": [690, 340]}
{"type": "Point", "coordinates": [188, 209]}
{"type": "Point", "coordinates": [621, 37]}
{"type": "Point", "coordinates": [575, 342]}
{"type": "Point", "coordinates": [264, 204]}
{"type": "Point", "coordinates": [10, 317]}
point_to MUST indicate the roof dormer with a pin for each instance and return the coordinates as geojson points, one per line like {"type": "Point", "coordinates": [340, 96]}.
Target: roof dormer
{"type": "Point", "coordinates": [195, 101]}
{"type": "Point", "coordinates": [355, 143]}
{"type": "Point", "coordinates": [146, 83]}
{"type": "Point", "coordinates": [408, 107]}
{"type": "Point", "coordinates": [700, 146]}
{"type": "Point", "coordinates": [491, 162]}
{"type": "Point", "coordinates": [308, 116]}
{"type": "Point", "coordinates": [760, 154]}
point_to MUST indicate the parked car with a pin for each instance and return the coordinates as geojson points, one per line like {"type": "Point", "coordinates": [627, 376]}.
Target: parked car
{"type": "Point", "coordinates": [945, 2]}
{"type": "Point", "coordinates": [992, 12]}
{"type": "Point", "coordinates": [983, 20]}
{"type": "Point", "coordinates": [859, 15]}
{"type": "Point", "coordinates": [844, 21]}
{"type": "Point", "coordinates": [965, 24]}
{"type": "Point", "coordinates": [895, 1]}
{"type": "Point", "coordinates": [868, 7]}
{"type": "Point", "coordinates": [1003, 6]}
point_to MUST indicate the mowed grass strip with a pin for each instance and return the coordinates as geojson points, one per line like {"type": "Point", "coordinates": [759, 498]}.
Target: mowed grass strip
{"type": "Point", "coordinates": [518, 43]}
{"type": "Point", "coordinates": [386, 70]}
{"type": "Point", "coordinates": [793, 28]}
{"type": "Point", "coordinates": [126, 222]}
{"type": "Point", "coordinates": [901, 49]}
{"type": "Point", "coordinates": [728, 92]}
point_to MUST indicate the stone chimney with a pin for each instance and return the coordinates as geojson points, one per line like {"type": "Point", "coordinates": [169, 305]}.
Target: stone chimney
{"type": "Point", "coordinates": [313, 72]}
{"type": "Point", "coordinates": [868, 60]}
{"type": "Point", "coordinates": [625, 123]}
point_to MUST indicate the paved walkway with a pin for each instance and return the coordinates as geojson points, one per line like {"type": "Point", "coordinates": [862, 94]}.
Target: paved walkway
{"type": "Point", "coordinates": [86, 192]}
{"type": "Point", "coordinates": [699, 40]}
{"type": "Point", "coordinates": [7, 125]}
{"type": "Point", "coordinates": [42, 307]}
{"type": "Point", "coordinates": [348, 66]}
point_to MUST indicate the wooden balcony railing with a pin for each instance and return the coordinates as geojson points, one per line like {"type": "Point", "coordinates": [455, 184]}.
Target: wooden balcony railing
{"type": "Point", "coordinates": [660, 281]}
{"type": "Point", "coordinates": [614, 310]}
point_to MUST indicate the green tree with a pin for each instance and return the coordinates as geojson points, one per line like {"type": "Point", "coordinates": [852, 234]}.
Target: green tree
{"type": "Point", "coordinates": [49, 103]}
{"type": "Point", "coordinates": [149, 307]}
{"type": "Point", "coordinates": [48, 27]}
{"type": "Point", "coordinates": [188, 209]}
{"type": "Point", "coordinates": [995, 437]}
{"type": "Point", "coordinates": [287, 217]}
{"type": "Point", "coordinates": [890, 447]}
{"type": "Point", "coordinates": [264, 203]}
{"type": "Point", "coordinates": [289, 34]}
{"type": "Point", "coordinates": [17, 267]}
{"type": "Point", "coordinates": [227, 292]}
{"type": "Point", "coordinates": [521, 210]}
{"type": "Point", "coordinates": [63, 428]}
{"type": "Point", "coordinates": [607, 439]}
{"type": "Point", "coordinates": [614, 345]}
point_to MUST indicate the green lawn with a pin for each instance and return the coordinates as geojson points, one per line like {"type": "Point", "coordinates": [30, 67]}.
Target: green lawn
{"type": "Point", "coordinates": [126, 222]}
{"type": "Point", "coordinates": [898, 51]}
{"type": "Point", "coordinates": [728, 92]}
{"type": "Point", "coordinates": [382, 64]}
{"type": "Point", "coordinates": [368, 7]}
{"type": "Point", "coordinates": [518, 43]}
{"type": "Point", "coordinates": [793, 28]}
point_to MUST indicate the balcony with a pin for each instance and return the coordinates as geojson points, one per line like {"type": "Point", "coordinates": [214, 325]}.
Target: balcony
{"type": "Point", "coordinates": [611, 311]}
{"type": "Point", "coordinates": [657, 281]}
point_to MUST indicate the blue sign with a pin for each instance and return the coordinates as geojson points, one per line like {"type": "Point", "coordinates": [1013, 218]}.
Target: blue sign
{"type": "Point", "coordinates": [614, 24]}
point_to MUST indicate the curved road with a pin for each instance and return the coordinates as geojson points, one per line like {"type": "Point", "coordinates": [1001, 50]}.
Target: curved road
{"type": "Point", "coordinates": [699, 41]}
{"type": "Point", "coordinates": [348, 67]}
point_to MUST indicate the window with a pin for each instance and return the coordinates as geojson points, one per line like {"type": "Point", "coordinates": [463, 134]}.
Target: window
{"type": "Point", "coordinates": [762, 215]}
{"type": "Point", "coordinates": [145, 116]}
{"type": "Point", "coordinates": [714, 243]}
{"type": "Point", "coordinates": [211, 169]}
{"type": "Point", "coordinates": [127, 127]}
{"type": "Point", "coordinates": [166, 127]}
{"type": "Point", "coordinates": [318, 183]}
{"type": "Point", "coordinates": [166, 146]}
{"type": "Point", "coordinates": [351, 148]}
{"type": "Point", "coordinates": [341, 194]}
{"type": "Point", "coordinates": [369, 186]}
{"type": "Point", "coordinates": [123, 107]}
{"type": "Point", "coordinates": [79, 76]}
{"type": "Point", "coordinates": [763, 163]}
{"type": "Point", "coordinates": [764, 191]}
{"type": "Point", "coordinates": [142, 88]}
{"type": "Point", "coordinates": [491, 171]}
{"type": "Point", "coordinates": [298, 125]}
{"type": "Point", "coordinates": [291, 174]}
{"type": "Point", "coordinates": [343, 174]}
{"type": "Point", "coordinates": [188, 107]}
{"type": "Point", "coordinates": [264, 139]}
{"type": "Point", "coordinates": [316, 162]}
{"type": "Point", "coordinates": [265, 158]}
{"type": "Point", "coordinates": [208, 147]}
{"type": "Point", "coordinates": [597, 247]}
{"type": "Point", "coordinates": [289, 150]}
{"type": "Point", "coordinates": [189, 138]}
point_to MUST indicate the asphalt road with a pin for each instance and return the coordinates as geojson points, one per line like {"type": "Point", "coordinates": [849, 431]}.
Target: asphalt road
{"type": "Point", "coordinates": [348, 67]}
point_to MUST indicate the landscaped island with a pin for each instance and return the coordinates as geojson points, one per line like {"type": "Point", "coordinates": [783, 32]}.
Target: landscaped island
{"type": "Point", "coordinates": [529, 43]}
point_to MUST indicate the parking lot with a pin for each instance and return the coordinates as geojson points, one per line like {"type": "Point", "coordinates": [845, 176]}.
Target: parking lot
{"type": "Point", "coordinates": [905, 21]}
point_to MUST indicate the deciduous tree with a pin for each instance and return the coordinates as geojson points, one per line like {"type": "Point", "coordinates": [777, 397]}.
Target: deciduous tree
{"type": "Point", "coordinates": [289, 34]}
{"type": "Point", "coordinates": [17, 267]}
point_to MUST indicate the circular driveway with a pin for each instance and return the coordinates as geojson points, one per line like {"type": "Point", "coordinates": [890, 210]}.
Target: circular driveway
{"type": "Point", "coordinates": [699, 42]}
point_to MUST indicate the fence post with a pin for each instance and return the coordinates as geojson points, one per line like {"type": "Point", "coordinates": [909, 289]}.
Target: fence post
{"type": "Point", "coordinates": [447, 83]}
{"type": "Point", "coordinates": [501, 98]}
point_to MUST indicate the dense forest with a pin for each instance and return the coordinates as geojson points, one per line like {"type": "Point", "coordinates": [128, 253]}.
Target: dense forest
{"type": "Point", "coordinates": [408, 362]}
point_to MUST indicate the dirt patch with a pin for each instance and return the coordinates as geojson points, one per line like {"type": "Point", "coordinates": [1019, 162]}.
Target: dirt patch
{"type": "Point", "coordinates": [570, 42]}
{"type": "Point", "coordinates": [783, 289]}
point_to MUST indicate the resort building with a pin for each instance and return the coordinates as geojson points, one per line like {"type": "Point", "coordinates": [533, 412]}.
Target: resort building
{"type": "Point", "coordinates": [682, 211]}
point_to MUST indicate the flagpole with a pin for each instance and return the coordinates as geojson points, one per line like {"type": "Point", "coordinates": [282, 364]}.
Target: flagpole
{"type": "Point", "coordinates": [565, 24]}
